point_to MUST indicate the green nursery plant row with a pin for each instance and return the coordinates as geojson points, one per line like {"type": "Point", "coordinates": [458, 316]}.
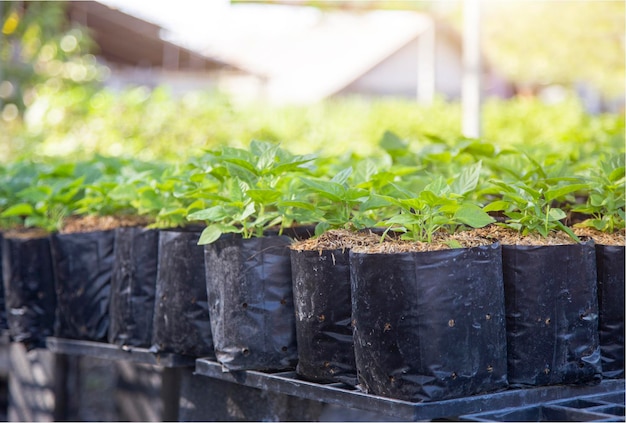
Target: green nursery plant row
{"type": "Point", "coordinates": [80, 122]}
{"type": "Point", "coordinates": [249, 190]}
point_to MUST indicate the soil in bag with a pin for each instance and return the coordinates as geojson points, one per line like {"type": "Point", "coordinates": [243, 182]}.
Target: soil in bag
{"type": "Point", "coordinates": [83, 263]}
{"type": "Point", "coordinates": [610, 268]}
{"type": "Point", "coordinates": [251, 302]}
{"type": "Point", "coordinates": [429, 326]}
{"type": "Point", "coordinates": [29, 284]}
{"type": "Point", "coordinates": [551, 314]}
{"type": "Point", "coordinates": [181, 317]}
{"type": "Point", "coordinates": [321, 291]}
{"type": "Point", "coordinates": [133, 286]}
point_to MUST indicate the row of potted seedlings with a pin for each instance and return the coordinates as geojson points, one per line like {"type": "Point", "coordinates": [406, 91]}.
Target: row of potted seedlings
{"type": "Point", "coordinates": [411, 286]}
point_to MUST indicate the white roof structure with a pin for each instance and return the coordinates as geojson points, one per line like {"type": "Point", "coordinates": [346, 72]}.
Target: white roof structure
{"type": "Point", "coordinates": [306, 54]}
{"type": "Point", "coordinates": [300, 54]}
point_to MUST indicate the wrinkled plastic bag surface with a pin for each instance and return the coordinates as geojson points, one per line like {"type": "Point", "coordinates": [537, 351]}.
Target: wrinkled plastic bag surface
{"type": "Point", "coordinates": [429, 326]}
{"type": "Point", "coordinates": [322, 299]}
{"type": "Point", "coordinates": [552, 314]}
{"type": "Point", "coordinates": [251, 302]}
{"type": "Point", "coordinates": [83, 263]}
{"type": "Point", "coordinates": [610, 267]}
{"type": "Point", "coordinates": [181, 316]}
{"type": "Point", "coordinates": [4, 325]}
{"type": "Point", "coordinates": [29, 283]}
{"type": "Point", "coordinates": [133, 286]}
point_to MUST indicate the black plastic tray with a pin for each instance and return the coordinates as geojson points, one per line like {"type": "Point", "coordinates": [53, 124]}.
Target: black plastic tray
{"type": "Point", "coordinates": [603, 407]}
{"type": "Point", "coordinates": [337, 393]}
{"type": "Point", "coordinates": [604, 401]}
{"type": "Point", "coordinates": [116, 352]}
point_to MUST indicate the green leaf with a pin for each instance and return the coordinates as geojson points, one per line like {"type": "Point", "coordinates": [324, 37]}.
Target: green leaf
{"type": "Point", "coordinates": [472, 215]}
{"type": "Point", "coordinates": [448, 206]}
{"type": "Point", "coordinates": [538, 168]}
{"type": "Point", "coordinates": [375, 201]}
{"type": "Point", "coordinates": [467, 180]}
{"type": "Point", "coordinates": [478, 148]}
{"type": "Point", "coordinates": [267, 156]}
{"type": "Point", "coordinates": [172, 211]}
{"type": "Point", "coordinates": [438, 186]}
{"type": "Point", "coordinates": [364, 171]}
{"type": "Point", "coordinates": [393, 144]}
{"type": "Point", "coordinates": [568, 231]}
{"type": "Point", "coordinates": [297, 204]}
{"type": "Point", "coordinates": [556, 214]}
{"type": "Point", "coordinates": [514, 215]}
{"type": "Point", "coordinates": [67, 194]}
{"type": "Point", "coordinates": [497, 205]}
{"type": "Point", "coordinates": [34, 194]}
{"type": "Point", "coordinates": [354, 194]}
{"type": "Point", "coordinates": [535, 195]}
{"type": "Point", "coordinates": [553, 194]}
{"type": "Point", "coordinates": [241, 173]}
{"type": "Point", "coordinates": [616, 174]}
{"type": "Point", "coordinates": [443, 157]}
{"type": "Point", "coordinates": [410, 205]}
{"type": "Point", "coordinates": [197, 177]}
{"type": "Point", "coordinates": [210, 234]}
{"type": "Point", "coordinates": [258, 148]}
{"type": "Point", "coordinates": [150, 201]}
{"type": "Point", "coordinates": [504, 186]}
{"type": "Point", "coordinates": [330, 190]}
{"type": "Point", "coordinates": [439, 220]}
{"type": "Point", "coordinates": [263, 196]}
{"type": "Point", "coordinates": [246, 213]}
{"type": "Point", "coordinates": [196, 205]}
{"type": "Point", "coordinates": [22, 209]}
{"type": "Point", "coordinates": [403, 219]}
{"type": "Point", "coordinates": [65, 170]}
{"type": "Point", "coordinates": [429, 198]}
{"type": "Point", "coordinates": [294, 165]}
{"type": "Point", "coordinates": [597, 200]}
{"type": "Point", "coordinates": [342, 177]}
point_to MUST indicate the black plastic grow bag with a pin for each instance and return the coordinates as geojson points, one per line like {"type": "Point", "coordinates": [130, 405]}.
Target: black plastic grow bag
{"type": "Point", "coordinates": [133, 286]}
{"type": "Point", "coordinates": [29, 284]}
{"type": "Point", "coordinates": [83, 263]}
{"type": "Point", "coordinates": [429, 325]}
{"type": "Point", "coordinates": [610, 267]}
{"type": "Point", "coordinates": [251, 302]}
{"type": "Point", "coordinates": [551, 314]}
{"type": "Point", "coordinates": [181, 316]}
{"type": "Point", "coordinates": [322, 299]}
{"type": "Point", "coordinates": [4, 325]}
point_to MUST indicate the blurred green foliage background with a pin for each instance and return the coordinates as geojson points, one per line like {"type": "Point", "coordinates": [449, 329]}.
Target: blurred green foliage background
{"type": "Point", "coordinates": [52, 102]}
